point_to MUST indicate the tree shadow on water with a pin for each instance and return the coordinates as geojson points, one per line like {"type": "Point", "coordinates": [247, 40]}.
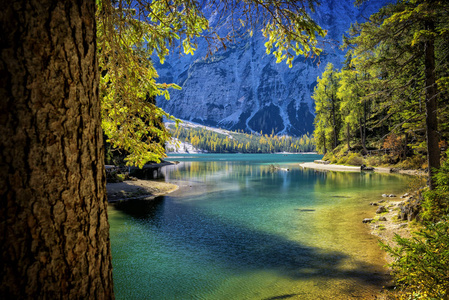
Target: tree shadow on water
{"type": "Point", "coordinates": [244, 249]}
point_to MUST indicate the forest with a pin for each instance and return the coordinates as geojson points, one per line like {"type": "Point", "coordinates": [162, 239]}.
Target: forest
{"type": "Point", "coordinates": [240, 142]}
{"type": "Point", "coordinates": [388, 105]}
{"type": "Point", "coordinates": [391, 93]}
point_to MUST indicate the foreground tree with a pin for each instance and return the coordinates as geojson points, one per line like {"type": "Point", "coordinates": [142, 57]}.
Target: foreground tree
{"type": "Point", "coordinates": [54, 234]}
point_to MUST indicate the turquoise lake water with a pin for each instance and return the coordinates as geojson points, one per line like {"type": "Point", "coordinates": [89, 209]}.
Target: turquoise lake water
{"type": "Point", "coordinates": [237, 230]}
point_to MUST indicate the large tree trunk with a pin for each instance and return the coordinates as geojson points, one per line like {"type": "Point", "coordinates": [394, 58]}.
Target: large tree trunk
{"type": "Point", "coordinates": [54, 233]}
{"type": "Point", "coordinates": [433, 150]}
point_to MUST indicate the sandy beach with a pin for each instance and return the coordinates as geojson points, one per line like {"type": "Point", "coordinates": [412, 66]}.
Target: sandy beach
{"type": "Point", "coordinates": [343, 168]}
{"type": "Point", "coordinates": [329, 167]}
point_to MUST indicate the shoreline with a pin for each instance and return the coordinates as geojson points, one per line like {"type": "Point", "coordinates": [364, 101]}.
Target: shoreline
{"type": "Point", "coordinates": [346, 168]}
{"type": "Point", "coordinates": [384, 226]}
{"type": "Point", "coordinates": [138, 189]}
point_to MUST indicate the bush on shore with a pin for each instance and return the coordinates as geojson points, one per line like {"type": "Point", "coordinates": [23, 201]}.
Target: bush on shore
{"type": "Point", "coordinates": [421, 266]}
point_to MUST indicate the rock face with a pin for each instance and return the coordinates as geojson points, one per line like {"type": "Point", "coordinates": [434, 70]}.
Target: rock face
{"type": "Point", "coordinates": [243, 88]}
{"type": "Point", "coordinates": [410, 209]}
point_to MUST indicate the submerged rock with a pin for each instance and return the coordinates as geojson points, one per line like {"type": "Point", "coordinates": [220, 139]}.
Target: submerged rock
{"type": "Point", "coordinates": [367, 220]}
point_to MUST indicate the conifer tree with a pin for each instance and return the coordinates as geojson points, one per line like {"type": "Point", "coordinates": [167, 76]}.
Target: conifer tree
{"type": "Point", "coordinates": [327, 109]}
{"type": "Point", "coordinates": [401, 41]}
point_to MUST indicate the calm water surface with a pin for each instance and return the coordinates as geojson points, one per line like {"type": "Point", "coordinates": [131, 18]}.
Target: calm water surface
{"type": "Point", "coordinates": [236, 230]}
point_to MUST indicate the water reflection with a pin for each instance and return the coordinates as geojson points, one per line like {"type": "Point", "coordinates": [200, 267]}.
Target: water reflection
{"type": "Point", "coordinates": [240, 248]}
{"type": "Point", "coordinates": [235, 230]}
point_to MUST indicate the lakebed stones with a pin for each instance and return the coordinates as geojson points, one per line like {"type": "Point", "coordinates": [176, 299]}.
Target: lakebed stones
{"type": "Point", "coordinates": [381, 210]}
{"type": "Point", "coordinates": [382, 219]}
{"type": "Point", "coordinates": [388, 195]}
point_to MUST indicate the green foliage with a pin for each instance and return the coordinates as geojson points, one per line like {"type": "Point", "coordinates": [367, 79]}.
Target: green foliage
{"type": "Point", "coordinates": [288, 38]}
{"type": "Point", "coordinates": [421, 266]}
{"type": "Point", "coordinates": [355, 159]}
{"type": "Point", "coordinates": [240, 142]}
{"type": "Point", "coordinates": [129, 33]}
{"type": "Point", "coordinates": [436, 202]}
{"type": "Point", "coordinates": [331, 157]}
{"type": "Point", "coordinates": [126, 39]}
{"type": "Point", "coordinates": [414, 162]}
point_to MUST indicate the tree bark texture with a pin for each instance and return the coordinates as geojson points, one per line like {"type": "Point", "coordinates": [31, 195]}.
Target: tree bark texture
{"type": "Point", "coordinates": [433, 149]}
{"type": "Point", "coordinates": [54, 233]}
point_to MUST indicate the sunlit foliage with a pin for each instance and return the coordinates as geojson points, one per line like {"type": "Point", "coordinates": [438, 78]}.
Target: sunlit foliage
{"type": "Point", "coordinates": [131, 33]}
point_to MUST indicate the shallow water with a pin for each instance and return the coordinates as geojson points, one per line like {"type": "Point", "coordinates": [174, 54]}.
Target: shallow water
{"type": "Point", "coordinates": [236, 230]}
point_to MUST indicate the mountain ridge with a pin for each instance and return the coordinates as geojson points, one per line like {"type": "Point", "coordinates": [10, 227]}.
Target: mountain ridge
{"type": "Point", "coordinates": [242, 88]}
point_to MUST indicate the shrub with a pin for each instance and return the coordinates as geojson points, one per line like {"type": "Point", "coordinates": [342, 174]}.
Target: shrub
{"type": "Point", "coordinates": [421, 266]}
{"type": "Point", "coordinates": [373, 161]}
{"type": "Point", "coordinates": [412, 163]}
{"type": "Point", "coordinates": [330, 157]}
{"type": "Point", "coordinates": [436, 202]}
{"type": "Point", "coordinates": [342, 160]}
{"type": "Point", "coordinates": [393, 143]}
{"type": "Point", "coordinates": [355, 159]}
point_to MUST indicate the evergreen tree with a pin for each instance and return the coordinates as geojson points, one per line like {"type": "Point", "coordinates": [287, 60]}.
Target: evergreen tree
{"type": "Point", "coordinates": [398, 45]}
{"type": "Point", "coordinates": [327, 109]}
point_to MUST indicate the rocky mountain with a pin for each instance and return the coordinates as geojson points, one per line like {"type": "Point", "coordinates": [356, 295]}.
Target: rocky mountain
{"type": "Point", "coordinates": [241, 87]}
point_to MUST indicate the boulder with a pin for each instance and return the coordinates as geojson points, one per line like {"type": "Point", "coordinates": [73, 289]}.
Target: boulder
{"type": "Point", "coordinates": [382, 219]}
{"type": "Point", "coordinates": [381, 209]}
{"type": "Point", "coordinates": [409, 209]}
{"type": "Point", "coordinates": [365, 168]}
{"type": "Point", "coordinates": [368, 220]}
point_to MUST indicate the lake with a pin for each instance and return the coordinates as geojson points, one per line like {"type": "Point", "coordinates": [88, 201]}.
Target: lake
{"type": "Point", "coordinates": [236, 229]}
